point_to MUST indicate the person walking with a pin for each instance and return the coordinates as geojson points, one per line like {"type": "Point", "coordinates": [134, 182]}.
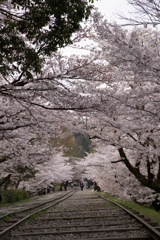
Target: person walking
{"type": "Point", "coordinates": [81, 186]}
{"type": "Point", "coordinates": [65, 185]}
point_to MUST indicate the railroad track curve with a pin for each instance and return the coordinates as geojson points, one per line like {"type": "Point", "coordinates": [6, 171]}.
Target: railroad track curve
{"type": "Point", "coordinates": [84, 215]}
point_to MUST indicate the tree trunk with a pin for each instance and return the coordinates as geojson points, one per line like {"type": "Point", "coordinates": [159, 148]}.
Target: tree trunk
{"type": "Point", "coordinates": [147, 182]}
{"type": "Point", "coordinates": [17, 184]}
{"type": "Point", "coordinates": [5, 181]}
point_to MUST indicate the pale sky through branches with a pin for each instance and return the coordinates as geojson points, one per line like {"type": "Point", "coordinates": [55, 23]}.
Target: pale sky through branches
{"type": "Point", "coordinates": [110, 8]}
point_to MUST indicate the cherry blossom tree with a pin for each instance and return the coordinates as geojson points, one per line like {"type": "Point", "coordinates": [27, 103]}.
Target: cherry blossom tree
{"type": "Point", "coordinates": [127, 114]}
{"type": "Point", "coordinates": [98, 167]}
{"type": "Point", "coordinates": [24, 99]}
{"type": "Point", "coordinates": [112, 95]}
{"type": "Point", "coordinates": [34, 157]}
{"type": "Point", "coordinates": [55, 169]}
{"type": "Point", "coordinates": [121, 91]}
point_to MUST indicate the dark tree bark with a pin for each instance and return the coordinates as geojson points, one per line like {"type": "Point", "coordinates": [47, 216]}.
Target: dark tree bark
{"type": "Point", "coordinates": [147, 181]}
{"type": "Point", "coordinates": [4, 181]}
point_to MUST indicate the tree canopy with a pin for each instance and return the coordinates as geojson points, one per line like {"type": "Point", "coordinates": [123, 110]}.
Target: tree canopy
{"type": "Point", "coordinates": [112, 95]}
{"type": "Point", "coordinates": [30, 30]}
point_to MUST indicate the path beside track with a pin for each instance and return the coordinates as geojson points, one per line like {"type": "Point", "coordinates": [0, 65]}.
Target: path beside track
{"type": "Point", "coordinates": [9, 208]}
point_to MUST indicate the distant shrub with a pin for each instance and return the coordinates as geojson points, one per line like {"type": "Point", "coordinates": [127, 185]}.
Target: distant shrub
{"type": "Point", "coordinates": [58, 187]}
{"type": "Point", "coordinates": [13, 195]}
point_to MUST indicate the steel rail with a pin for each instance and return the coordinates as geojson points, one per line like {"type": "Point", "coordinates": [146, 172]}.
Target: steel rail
{"type": "Point", "coordinates": [78, 233]}
{"type": "Point", "coordinates": [5, 232]}
{"type": "Point", "coordinates": [85, 230]}
{"type": "Point", "coordinates": [155, 233]}
{"type": "Point", "coordinates": [31, 208]}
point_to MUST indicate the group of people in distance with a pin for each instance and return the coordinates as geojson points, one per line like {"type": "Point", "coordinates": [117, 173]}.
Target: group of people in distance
{"type": "Point", "coordinates": [65, 185]}
{"type": "Point", "coordinates": [95, 186]}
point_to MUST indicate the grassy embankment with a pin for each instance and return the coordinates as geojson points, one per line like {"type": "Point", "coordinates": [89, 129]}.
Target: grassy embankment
{"type": "Point", "coordinates": [13, 196]}
{"type": "Point", "coordinates": [146, 211]}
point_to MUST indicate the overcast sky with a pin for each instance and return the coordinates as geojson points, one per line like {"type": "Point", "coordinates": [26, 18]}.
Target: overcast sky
{"type": "Point", "coordinates": [109, 8]}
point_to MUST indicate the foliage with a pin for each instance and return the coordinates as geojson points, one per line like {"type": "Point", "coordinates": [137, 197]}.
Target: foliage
{"type": "Point", "coordinates": [111, 95]}
{"type": "Point", "coordinates": [3, 159]}
{"type": "Point", "coordinates": [83, 142]}
{"type": "Point", "coordinates": [23, 173]}
{"type": "Point", "coordinates": [31, 30]}
{"type": "Point", "coordinates": [13, 195]}
{"type": "Point", "coordinates": [74, 144]}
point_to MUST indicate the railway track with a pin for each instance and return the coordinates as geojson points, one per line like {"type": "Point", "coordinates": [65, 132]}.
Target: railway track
{"type": "Point", "coordinates": [84, 215]}
{"type": "Point", "coordinates": [12, 219]}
